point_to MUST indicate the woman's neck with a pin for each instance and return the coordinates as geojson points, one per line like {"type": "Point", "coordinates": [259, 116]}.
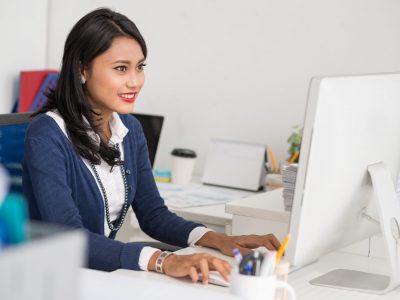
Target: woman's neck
{"type": "Point", "coordinates": [105, 133]}
{"type": "Point", "coordinates": [104, 127]}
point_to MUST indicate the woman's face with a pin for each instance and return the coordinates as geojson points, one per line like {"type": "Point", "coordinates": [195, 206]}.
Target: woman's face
{"type": "Point", "coordinates": [115, 77]}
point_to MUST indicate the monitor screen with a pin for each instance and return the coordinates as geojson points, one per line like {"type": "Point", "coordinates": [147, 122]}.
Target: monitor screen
{"type": "Point", "coordinates": [12, 137]}
{"type": "Point", "coordinates": [351, 124]}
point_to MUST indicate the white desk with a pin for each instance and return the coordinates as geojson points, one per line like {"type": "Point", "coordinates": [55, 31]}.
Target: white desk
{"type": "Point", "coordinates": [125, 283]}
{"type": "Point", "coordinates": [300, 278]}
{"type": "Point", "coordinates": [97, 285]}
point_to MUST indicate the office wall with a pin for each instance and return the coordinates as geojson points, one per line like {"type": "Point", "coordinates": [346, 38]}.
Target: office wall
{"type": "Point", "coordinates": [240, 69]}
{"type": "Point", "coordinates": [23, 32]}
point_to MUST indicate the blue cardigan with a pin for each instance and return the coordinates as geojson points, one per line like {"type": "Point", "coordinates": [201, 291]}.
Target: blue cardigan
{"type": "Point", "coordinates": [60, 189]}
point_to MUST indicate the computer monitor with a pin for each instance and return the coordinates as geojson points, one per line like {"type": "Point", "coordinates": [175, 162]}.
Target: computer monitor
{"type": "Point", "coordinates": [12, 138]}
{"type": "Point", "coordinates": [350, 157]}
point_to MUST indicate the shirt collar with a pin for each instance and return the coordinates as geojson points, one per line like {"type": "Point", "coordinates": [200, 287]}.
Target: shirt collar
{"type": "Point", "coordinates": [118, 129]}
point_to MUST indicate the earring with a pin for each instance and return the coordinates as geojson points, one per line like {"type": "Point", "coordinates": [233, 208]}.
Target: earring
{"type": "Point", "coordinates": [83, 79]}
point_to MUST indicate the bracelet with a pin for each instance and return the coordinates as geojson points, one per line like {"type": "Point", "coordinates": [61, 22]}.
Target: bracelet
{"type": "Point", "coordinates": [160, 261]}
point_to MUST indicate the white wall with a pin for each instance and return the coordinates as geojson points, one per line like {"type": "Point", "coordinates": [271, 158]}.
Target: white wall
{"type": "Point", "coordinates": [23, 32]}
{"type": "Point", "coordinates": [240, 69]}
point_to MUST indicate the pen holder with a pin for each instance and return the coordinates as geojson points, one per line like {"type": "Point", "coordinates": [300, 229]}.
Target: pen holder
{"type": "Point", "coordinates": [258, 287]}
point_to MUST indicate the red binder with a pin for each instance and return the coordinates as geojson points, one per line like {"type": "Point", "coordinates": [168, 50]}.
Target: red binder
{"type": "Point", "coordinates": [30, 83]}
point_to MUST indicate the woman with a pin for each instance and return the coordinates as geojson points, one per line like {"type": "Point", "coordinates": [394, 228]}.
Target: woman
{"type": "Point", "coordinates": [86, 159]}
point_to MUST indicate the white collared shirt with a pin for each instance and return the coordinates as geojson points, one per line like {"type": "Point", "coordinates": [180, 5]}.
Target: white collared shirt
{"type": "Point", "coordinates": [114, 185]}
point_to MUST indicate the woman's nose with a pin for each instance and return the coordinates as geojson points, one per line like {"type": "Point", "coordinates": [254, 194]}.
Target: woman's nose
{"type": "Point", "coordinates": [133, 80]}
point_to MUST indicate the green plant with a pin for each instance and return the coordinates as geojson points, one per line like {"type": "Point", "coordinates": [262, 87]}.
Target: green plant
{"type": "Point", "coordinates": [294, 141]}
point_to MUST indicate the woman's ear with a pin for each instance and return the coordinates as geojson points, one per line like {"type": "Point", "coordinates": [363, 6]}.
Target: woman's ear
{"type": "Point", "coordinates": [83, 79]}
{"type": "Point", "coordinates": [83, 74]}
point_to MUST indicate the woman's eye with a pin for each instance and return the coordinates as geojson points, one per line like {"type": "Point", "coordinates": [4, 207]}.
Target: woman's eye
{"type": "Point", "coordinates": [141, 66]}
{"type": "Point", "coordinates": [121, 68]}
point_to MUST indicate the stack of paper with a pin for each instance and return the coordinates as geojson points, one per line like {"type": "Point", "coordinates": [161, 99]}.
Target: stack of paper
{"type": "Point", "coordinates": [289, 173]}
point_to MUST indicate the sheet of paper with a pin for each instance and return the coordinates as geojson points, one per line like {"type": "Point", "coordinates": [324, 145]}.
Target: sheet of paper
{"type": "Point", "coordinates": [182, 196]}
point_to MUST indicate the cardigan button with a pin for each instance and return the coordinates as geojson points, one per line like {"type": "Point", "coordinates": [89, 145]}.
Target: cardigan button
{"type": "Point", "coordinates": [128, 172]}
{"type": "Point", "coordinates": [130, 188]}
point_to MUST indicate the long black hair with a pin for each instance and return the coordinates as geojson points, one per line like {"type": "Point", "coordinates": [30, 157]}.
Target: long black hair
{"type": "Point", "coordinates": [91, 36]}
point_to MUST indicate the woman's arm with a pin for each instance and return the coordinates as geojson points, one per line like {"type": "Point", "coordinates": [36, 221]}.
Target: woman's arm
{"type": "Point", "coordinates": [154, 217]}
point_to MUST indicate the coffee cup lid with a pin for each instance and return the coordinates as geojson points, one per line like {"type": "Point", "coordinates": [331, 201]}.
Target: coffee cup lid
{"type": "Point", "coordinates": [184, 153]}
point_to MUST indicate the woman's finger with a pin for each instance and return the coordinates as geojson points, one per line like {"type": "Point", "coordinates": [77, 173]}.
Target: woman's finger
{"type": "Point", "coordinates": [211, 259]}
{"type": "Point", "coordinates": [220, 266]}
{"type": "Point", "coordinates": [203, 265]}
{"type": "Point", "coordinates": [227, 265]}
{"type": "Point", "coordinates": [193, 274]}
{"type": "Point", "coordinates": [275, 242]}
{"type": "Point", "coordinates": [244, 250]}
{"type": "Point", "coordinates": [251, 241]}
{"type": "Point", "coordinates": [269, 246]}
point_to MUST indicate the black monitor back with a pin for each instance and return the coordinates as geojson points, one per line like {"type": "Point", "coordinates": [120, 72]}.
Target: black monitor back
{"type": "Point", "coordinates": [152, 126]}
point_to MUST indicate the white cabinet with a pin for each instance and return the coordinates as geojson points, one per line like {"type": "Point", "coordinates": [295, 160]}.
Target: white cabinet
{"type": "Point", "coordinates": [261, 213]}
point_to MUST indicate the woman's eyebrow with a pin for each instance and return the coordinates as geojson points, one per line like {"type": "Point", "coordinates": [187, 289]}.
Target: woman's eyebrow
{"type": "Point", "coordinates": [122, 61]}
{"type": "Point", "coordinates": [128, 62]}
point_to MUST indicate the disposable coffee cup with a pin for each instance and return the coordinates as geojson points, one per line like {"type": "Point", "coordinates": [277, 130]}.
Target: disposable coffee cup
{"type": "Point", "coordinates": [183, 162]}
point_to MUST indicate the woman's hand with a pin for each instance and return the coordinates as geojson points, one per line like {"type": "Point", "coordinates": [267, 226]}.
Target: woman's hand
{"type": "Point", "coordinates": [191, 265]}
{"type": "Point", "coordinates": [244, 243]}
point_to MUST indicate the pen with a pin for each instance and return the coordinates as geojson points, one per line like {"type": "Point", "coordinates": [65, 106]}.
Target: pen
{"type": "Point", "coordinates": [282, 247]}
{"type": "Point", "coordinates": [237, 254]}
{"type": "Point", "coordinates": [243, 262]}
{"type": "Point", "coordinates": [294, 157]}
{"type": "Point", "coordinates": [248, 267]}
{"type": "Point", "coordinates": [273, 161]}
